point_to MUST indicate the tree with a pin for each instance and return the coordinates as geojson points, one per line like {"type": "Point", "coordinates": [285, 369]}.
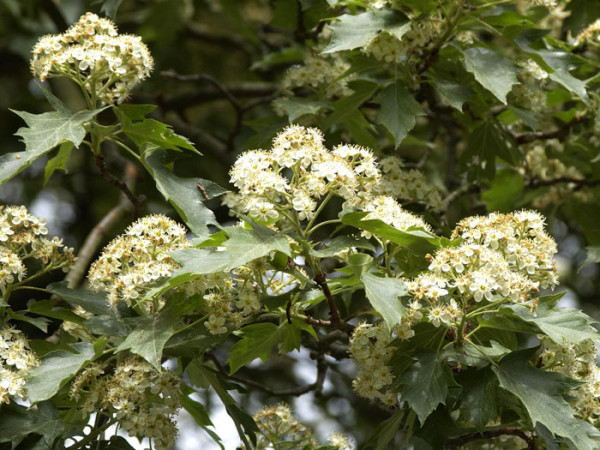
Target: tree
{"type": "Point", "coordinates": [374, 183]}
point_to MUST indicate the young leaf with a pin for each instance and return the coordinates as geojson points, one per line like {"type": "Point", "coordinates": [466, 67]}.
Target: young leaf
{"type": "Point", "coordinates": [245, 245]}
{"type": "Point", "coordinates": [187, 195]}
{"type": "Point", "coordinates": [425, 384]}
{"type": "Point", "coordinates": [351, 32]}
{"type": "Point", "coordinates": [43, 133]}
{"type": "Point", "coordinates": [56, 369]}
{"type": "Point", "coordinates": [149, 131]}
{"type": "Point", "coordinates": [494, 72]}
{"type": "Point", "coordinates": [384, 294]}
{"type": "Point", "coordinates": [59, 161]}
{"type": "Point", "coordinates": [542, 395]}
{"type": "Point", "coordinates": [398, 110]}
{"type": "Point", "coordinates": [150, 335]}
{"type": "Point", "coordinates": [257, 342]}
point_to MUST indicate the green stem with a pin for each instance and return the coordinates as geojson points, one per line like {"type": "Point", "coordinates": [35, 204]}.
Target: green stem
{"type": "Point", "coordinates": [123, 146]}
{"type": "Point", "coordinates": [93, 435]}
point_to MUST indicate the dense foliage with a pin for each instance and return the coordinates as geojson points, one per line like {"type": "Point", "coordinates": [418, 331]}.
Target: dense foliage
{"type": "Point", "coordinates": [379, 184]}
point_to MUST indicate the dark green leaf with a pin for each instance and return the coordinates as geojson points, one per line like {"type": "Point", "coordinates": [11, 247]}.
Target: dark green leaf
{"type": "Point", "coordinates": [192, 342]}
{"type": "Point", "coordinates": [347, 106]}
{"type": "Point", "coordinates": [93, 302]}
{"type": "Point", "coordinates": [418, 240]}
{"type": "Point", "coordinates": [384, 294]}
{"type": "Point", "coordinates": [489, 141]}
{"type": "Point", "coordinates": [479, 398]}
{"type": "Point", "coordinates": [542, 395]}
{"type": "Point", "coordinates": [426, 384]}
{"type": "Point", "coordinates": [110, 7]}
{"type": "Point", "coordinates": [399, 110]}
{"type": "Point", "coordinates": [185, 194]}
{"type": "Point", "coordinates": [494, 72]}
{"type": "Point", "coordinates": [453, 93]}
{"type": "Point", "coordinates": [351, 32]}
{"type": "Point", "coordinates": [245, 245]}
{"type": "Point", "coordinates": [505, 190]}
{"type": "Point", "coordinates": [56, 368]}
{"type": "Point", "coordinates": [257, 342]}
{"type": "Point", "coordinates": [296, 107]}
{"type": "Point", "coordinates": [340, 244]}
{"type": "Point", "coordinates": [17, 421]}
{"type": "Point", "coordinates": [38, 322]}
{"type": "Point", "coordinates": [592, 255]}
{"type": "Point", "coordinates": [386, 431]}
{"type": "Point", "coordinates": [106, 326]}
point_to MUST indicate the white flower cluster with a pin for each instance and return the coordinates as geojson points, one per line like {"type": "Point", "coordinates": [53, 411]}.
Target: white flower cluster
{"type": "Point", "coordinates": [22, 237]}
{"type": "Point", "coordinates": [134, 261]}
{"type": "Point", "coordinates": [142, 400]}
{"type": "Point", "coordinates": [91, 53]}
{"type": "Point", "coordinates": [530, 93]}
{"type": "Point", "coordinates": [407, 185]}
{"type": "Point", "coordinates": [279, 428]}
{"type": "Point", "coordinates": [542, 167]}
{"type": "Point", "coordinates": [321, 73]}
{"type": "Point", "coordinates": [577, 361]}
{"type": "Point", "coordinates": [590, 35]}
{"type": "Point", "coordinates": [501, 257]}
{"type": "Point", "coordinates": [388, 48]}
{"type": "Point", "coordinates": [16, 360]}
{"type": "Point", "coordinates": [288, 181]}
{"type": "Point", "coordinates": [369, 347]}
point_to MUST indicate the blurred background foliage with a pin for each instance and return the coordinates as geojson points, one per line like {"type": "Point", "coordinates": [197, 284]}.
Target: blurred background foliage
{"type": "Point", "coordinates": [219, 65]}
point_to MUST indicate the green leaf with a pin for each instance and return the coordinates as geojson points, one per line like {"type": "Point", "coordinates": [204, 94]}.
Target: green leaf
{"type": "Point", "coordinates": [17, 421]}
{"type": "Point", "coordinates": [246, 245]}
{"type": "Point", "coordinates": [291, 335]}
{"type": "Point", "coordinates": [479, 397]}
{"type": "Point", "coordinates": [244, 423]}
{"type": "Point", "coordinates": [340, 244]}
{"type": "Point", "coordinates": [296, 107]}
{"type": "Point", "coordinates": [38, 322]}
{"type": "Point", "coordinates": [384, 293]}
{"type": "Point", "coordinates": [563, 324]}
{"type": "Point", "coordinates": [185, 194]}
{"type": "Point", "coordinates": [56, 368]}
{"type": "Point", "coordinates": [507, 187]}
{"type": "Point", "coordinates": [542, 395]}
{"type": "Point", "coordinates": [48, 308]}
{"type": "Point", "coordinates": [351, 32]}
{"type": "Point", "coordinates": [257, 341]}
{"type": "Point", "coordinates": [488, 141]}
{"type": "Point", "coordinates": [93, 302]}
{"type": "Point", "coordinates": [200, 416]}
{"type": "Point", "coordinates": [426, 384]}
{"type": "Point", "coordinates": [44, 132]}
{"type": "Point", "coordinates": [192, 342]}
{"type": "Point", "coordinates": [399, 110]}
{"type": "Point", "coordinates": [347, 107]}
{"type": "Point", "coordinates": [386, 431]}
{"type": "Point", "coordinates": [110, 7]}
{"type": "Point", "coordinates": [494, 72]}
{"type": "Point", "coordinates": [416, 239]}
{"type": "Point", "coordinates": [106, 326]}
{"type": "Point", "coordinates": [59, 161]}
{"type": "Point", "coordinates": [473, 355]}
{"type": "Point", "coordinates": [150, 335]}
{"type": "Point", "coordinates": [149, 131]}
{"type": "Point", "coordinates": [454, 93]}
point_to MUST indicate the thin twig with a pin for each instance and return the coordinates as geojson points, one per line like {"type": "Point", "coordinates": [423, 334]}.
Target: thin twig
{"type": "Point", "coordinates": [457, 442]}
{"type": "Point", "coordinates": [564, 180]}
{"type": "Point", "coordinates": [295, 392]}
{"type": "Point", "coordinates": [137, 202]}
{"type": "Point", "coordinates": [561, 133]}
{"type": "Point", "coordinates": [98, 234]}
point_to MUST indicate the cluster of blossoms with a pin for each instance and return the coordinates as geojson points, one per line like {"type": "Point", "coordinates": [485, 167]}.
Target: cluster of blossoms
{"type": "Point", "coordinates": [280, 429]}
{"type": "Point", "coordinates": [16, 360]}
{"type": "Point", "coordinates": [321, 73]}
{"type": "Point", "coordinates": [369, 347]}
{"type": "Point", "coordinates": [288, 181]}
{"type": "Point", "coordinates": [407, 185]}
{"type": "Point", "coordinates": [142, 400]}
{"type": "Point", "coordinates": [590, 35]}
{"type": "Point", "coordinates": [502, 257]}
{"type": "Point", "coordinates": [530, 93]}
{"type": "Point", "coordinates": [134, 261]}
{"type": "Point", "coordinates": [388, 48]}
{"type": "Point", "coordinates": [22, 237]}
{"type": "Point", "coordinates": [542, 167]}
{"type": "Point", "coordinates": [94, 55]}
{"type": "Point", "coordinates": [232, 297]}
{"type": "Point", "coordinates": [577, 361]}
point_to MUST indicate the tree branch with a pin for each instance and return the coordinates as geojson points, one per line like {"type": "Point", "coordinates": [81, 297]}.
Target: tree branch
{"type": "Point", "coordinates": [457, 442]}
{"type": "Point", "coordinates": [137, 202]}
{"type": "Point", "coordinates": [580, 183]}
